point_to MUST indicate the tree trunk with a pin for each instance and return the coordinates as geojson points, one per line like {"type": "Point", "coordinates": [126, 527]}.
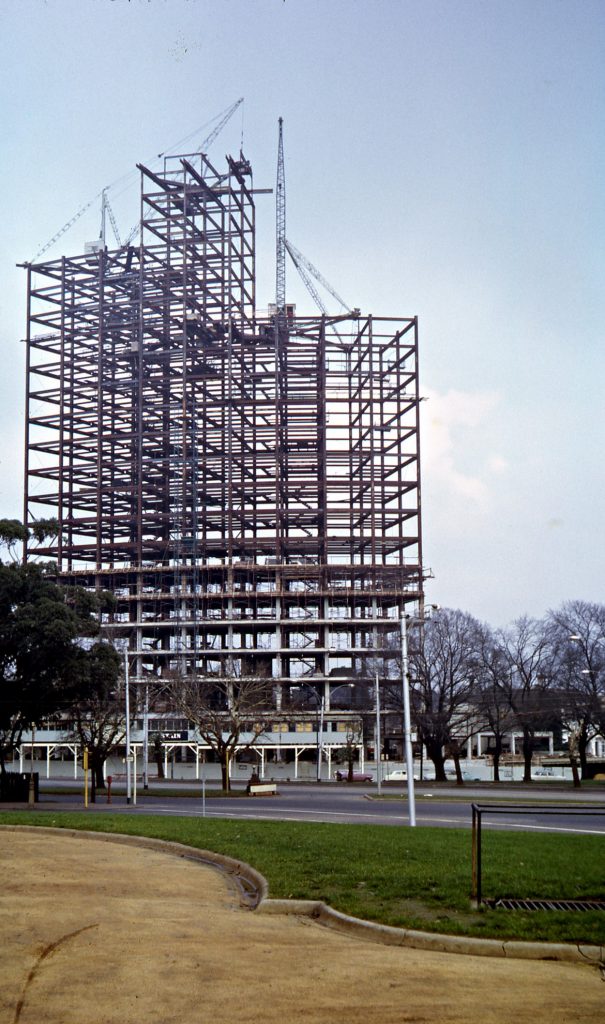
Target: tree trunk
{"type": "Point", "coordinates": [435, 752]}
{"type": "Point", "coordinates": [582, 750]}
{"type": "Point", "coordinates": [456, 757]}
{"type": "Point", "coordinates": [96, 775]}
{"type": "Point", "coordinates": [226, 781]}
{"type": "Point", "coordinates": [528, 750]}
{"type": "Point", "coordinates": [574, 747]}
{"type": "Point", "coordinates": [496, 757]}
{"type": "Point", "coordinates": [158, 757]}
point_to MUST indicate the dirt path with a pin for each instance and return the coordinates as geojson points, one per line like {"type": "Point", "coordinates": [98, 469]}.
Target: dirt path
{"type": "Point", "coordinates": [95, 933]}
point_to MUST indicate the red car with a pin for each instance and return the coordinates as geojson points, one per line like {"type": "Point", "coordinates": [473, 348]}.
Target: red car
{"type": "Point", "coordinates": [342, 775]}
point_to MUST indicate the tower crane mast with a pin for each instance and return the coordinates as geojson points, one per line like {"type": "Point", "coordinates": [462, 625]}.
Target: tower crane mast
{"type": "Point", "coordinates": [280, 226]}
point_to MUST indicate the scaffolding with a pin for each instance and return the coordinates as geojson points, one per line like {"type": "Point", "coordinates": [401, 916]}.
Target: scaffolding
{"type": "Point", "coordinates": [247, 486]}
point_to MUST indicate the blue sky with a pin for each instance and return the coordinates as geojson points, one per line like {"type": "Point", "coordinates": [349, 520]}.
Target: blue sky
{"type": "Point", "coordinates": [443, 159]}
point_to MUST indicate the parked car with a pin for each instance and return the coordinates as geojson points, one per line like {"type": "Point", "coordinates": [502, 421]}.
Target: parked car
{"type": "Point", "coordinates": [342, 775]}
{"type": "Point", "coordinates": [466, 776]}
{"type": "Point", "coordinates": [398, 775]}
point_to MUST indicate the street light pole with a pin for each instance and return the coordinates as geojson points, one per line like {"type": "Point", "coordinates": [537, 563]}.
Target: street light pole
{"type": "Point", "coordinates": [320, 739]}
{"type": "Point", "coordinates": [127, 689]}
{"type": "Point", "coordinates": [407, 723]}
{"type": "Point", "coordinates": [146, 739]}
{"type": "Point", "coordinates": [378, 740]}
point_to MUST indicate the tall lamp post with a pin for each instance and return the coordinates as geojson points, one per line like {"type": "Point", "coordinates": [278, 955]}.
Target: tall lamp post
{"type": "Point", "coordinates": [146, 738]}
{"type": "Point", "coordinates": [127, 710]}
{"type": "Point", "coordinates": [407, 721]}
{"type": "Point", "coordinates": [407, 718]}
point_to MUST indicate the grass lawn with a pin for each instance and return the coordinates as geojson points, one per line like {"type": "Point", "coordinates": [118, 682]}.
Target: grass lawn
{"type": "Point", "coordinates": [416, 878]}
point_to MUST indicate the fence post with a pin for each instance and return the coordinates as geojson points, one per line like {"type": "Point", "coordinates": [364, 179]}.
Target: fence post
{"type": "Point", "coordinates": [476, 858]}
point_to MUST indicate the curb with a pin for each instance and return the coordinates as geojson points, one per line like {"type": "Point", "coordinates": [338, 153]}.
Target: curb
{"type": "Point", "coordinates": [253, 890]}
{"type": "Point", "coordinates": [432, 941]}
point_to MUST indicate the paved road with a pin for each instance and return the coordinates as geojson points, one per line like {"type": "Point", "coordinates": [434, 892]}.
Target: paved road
{"type": "Point", "coordinates": [584, 813]}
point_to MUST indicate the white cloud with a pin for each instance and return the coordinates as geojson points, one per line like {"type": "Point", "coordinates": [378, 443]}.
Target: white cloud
{"type": "Point", "coordinates": [454, 426]}
{"type": "Point", "coordinates": [497, 465]}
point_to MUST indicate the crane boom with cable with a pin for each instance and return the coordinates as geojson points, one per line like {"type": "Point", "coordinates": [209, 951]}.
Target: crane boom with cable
{"type": "Point", "coordinates": [65, 227]}
{"type": "Point", "coordinates": [205, 145]}
{"type": "Point", "coordinates": [106, 209]}
{"type": "Point", "coordinates": [306, 279]}
{"type": "Point", "coordinates": [306, 268]}
{"type": "Point", "coordinates": [207, 142]}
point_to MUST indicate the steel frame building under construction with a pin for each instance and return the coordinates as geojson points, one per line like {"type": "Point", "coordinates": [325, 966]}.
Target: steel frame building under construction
{"type": "Point", "coordinates": [248, 487]}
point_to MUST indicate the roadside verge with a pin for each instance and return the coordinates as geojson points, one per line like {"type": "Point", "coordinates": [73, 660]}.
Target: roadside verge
{"type": "Point", "coordinates": [253, 891]}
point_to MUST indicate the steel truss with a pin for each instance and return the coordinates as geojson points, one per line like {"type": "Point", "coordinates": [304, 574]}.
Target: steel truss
{"type": "Point", "coordinates": [247, 487]}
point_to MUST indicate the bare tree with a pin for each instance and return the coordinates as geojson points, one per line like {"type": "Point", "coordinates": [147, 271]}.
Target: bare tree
{"type": "Point", "coordinates": [99, 710]}
{"type": "Point", "coordinates": [529, 682]}
{"type": "Point", "coordinates": [577, 634]}
{"type": "Point", "coordinates": [443, 658]}
{"type": "Point", "coordinates": [491, 694]}
{"type": "Point", "coordinates": [229, 713]}
{"type": "Point", "coordinates": [349, 751]}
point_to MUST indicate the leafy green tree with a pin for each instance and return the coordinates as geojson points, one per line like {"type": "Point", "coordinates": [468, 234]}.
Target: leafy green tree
{"type": "Point", "coordinates": [39, 651]}
{"type": "Point", "coordinates": [12, 532]}
{"type": "Point", "coordinates": [41, 626]}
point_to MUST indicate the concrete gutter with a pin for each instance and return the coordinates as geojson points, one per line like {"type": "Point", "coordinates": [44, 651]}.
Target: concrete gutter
{"type": "Point", "coordinates": [253, 891]}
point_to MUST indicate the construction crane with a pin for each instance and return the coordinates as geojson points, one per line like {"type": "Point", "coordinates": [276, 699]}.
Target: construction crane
{"type": "Point", "coordinates": [203, 147]}
{"type": "Point", "coordinates": [280, 226]}
{"type": "Point", "coordinates": [65, 227]}
{"type": "Point", "coordinates": [304, 266]}
{"type": "Point", "coordinates": [207, 142]}
{"type": "Point", "coordinates": [107, 210]}
{"type": "Point", "coordinates": [305, 269]}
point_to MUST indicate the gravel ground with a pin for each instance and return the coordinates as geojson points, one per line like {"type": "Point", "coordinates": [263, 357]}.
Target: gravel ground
{"type": "Point", "coordinates": [95, 933]}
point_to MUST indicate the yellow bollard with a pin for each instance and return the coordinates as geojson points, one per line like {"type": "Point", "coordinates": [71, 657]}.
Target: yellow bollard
{"type": "Point", "coordinates": [85, 767]}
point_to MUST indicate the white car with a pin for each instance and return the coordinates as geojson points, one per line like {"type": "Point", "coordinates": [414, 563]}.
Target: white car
{"type": "Point", "coordinates": [398, 775]}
